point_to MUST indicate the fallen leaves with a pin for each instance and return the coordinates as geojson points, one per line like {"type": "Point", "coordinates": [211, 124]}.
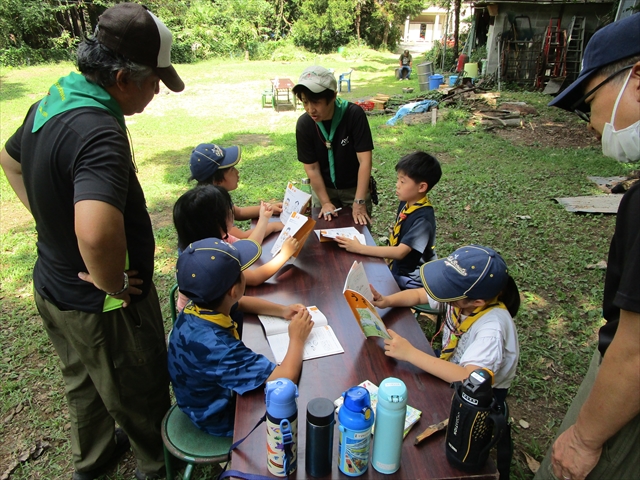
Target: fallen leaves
{"type": "Point", "coordinates": [32, 453]}
{"type": "Point", "coordinates": [532, 463]}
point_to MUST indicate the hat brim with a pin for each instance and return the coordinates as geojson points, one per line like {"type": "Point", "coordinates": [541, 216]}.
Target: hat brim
{"type": "Point", "coordinates": [170, 78]}
{"type": "Point", "coordinates": [248, 252]}
{"type": "Point", "coordinates": [569, 96]}
{"type": "Point", "coordinates": [436, 284]}
{"type": "Point", "coordinates": [231, 156]}
{"type": "Point", "coordinates": [312, 86]}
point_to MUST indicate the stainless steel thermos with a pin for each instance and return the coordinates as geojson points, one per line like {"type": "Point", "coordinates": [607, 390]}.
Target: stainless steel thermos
{"type": "Point", "coordinates": [319, 434]}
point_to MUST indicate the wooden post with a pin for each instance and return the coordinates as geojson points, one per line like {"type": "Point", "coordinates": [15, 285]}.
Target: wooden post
{"type": "Point", "coordinates": [434, 116]}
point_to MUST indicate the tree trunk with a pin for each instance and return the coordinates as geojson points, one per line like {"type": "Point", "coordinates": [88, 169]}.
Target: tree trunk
{"type": "Point", "coordinates": [358, 9]}
{"type": "Point", "coordinates": [456, 28]}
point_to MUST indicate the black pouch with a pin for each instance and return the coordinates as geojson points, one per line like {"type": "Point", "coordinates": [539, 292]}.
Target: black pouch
{"type": "Point", "coordinates": [373, 190]}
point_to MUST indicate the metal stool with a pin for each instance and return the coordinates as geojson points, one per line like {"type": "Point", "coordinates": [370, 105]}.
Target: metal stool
{"type": "Point", "coordinates": [267, 98]}
{"type": "Point", "coordinates": [183, 440]}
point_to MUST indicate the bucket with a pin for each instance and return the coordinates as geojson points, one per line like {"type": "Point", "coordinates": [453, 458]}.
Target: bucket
{"type": "Point", "coordinates": [452, 80]}
{"type": "Point", "coordinates": [423, 81]}
{"type": "Point", "coordinates": [471, 70]}
{"type": "Point", "coordinates": [435, 81]}
{"type": "Point", "coordinates": [425, 69]}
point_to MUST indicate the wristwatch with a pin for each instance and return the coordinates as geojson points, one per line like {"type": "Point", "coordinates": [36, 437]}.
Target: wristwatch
{"type": "Point", "coordinates": [124, 287]}
{"type": "Point", "coordinates": [358, 201]}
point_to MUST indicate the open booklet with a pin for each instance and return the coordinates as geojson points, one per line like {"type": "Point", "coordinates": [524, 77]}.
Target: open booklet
{"type": "Point", "coordinates": [321, 342]}
{"type": "Point", "coordinates": [410, 419]}
{"type": "Point", "coordinates": [295, 200]}
{"type": "Point", "coordinates": [359, 297]}
{"type": "Point", "coordinates": [299, 227]}
{"type": "Point", "coordinates": [329, 234]}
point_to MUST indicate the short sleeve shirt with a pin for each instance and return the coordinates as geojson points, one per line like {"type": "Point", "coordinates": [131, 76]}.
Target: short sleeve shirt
{"type": "Point", "coordinates": [207, 364]}
{"type": "Point", "coordinates": [417, 231]}
{"type": "Point", "coordinates": [621, 281]}
{"type": "Point", "coordinates": [352, 136]}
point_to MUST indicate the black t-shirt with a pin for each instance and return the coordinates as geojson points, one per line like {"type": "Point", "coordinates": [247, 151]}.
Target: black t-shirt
{"type": "Point", "coordinates": [82, 154]}
{"type": "Point", "coordinates": [353, 135]}
{"type": "Point", "coordinates": [417, 231]}
{"type": "Point", "coordinates": [621, 282]}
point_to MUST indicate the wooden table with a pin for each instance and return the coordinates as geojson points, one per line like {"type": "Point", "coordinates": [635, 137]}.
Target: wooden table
{"type": "Point", "coordinates": [317, 278]}
{"type": "Point", "coordinates": [282, 94]}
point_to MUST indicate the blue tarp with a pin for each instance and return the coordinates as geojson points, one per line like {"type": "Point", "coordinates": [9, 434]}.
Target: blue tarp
{"type": "Point", "coordinates": [414, 107]}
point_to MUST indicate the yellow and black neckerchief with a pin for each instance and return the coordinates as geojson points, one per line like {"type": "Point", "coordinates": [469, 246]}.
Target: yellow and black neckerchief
{"type": "Point", "coordinates": [402, 216]}
{"type": "Point", "coordinates": [225, 321]}
{"type": "Point", "coordinates": [459, 328]}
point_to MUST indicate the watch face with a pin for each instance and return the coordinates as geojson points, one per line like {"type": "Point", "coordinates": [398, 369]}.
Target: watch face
{"type": "Point", "coordinates": [359, 202]}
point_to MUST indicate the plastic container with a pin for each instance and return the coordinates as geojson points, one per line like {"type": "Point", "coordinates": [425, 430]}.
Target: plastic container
{"type": "Point", "coordinates": [319, 444]}
{"type": "Point", "coordinates": [452, 80]}
{"type": "Point", "coordinates": [435, 81]}
{"type": "Point", "coordinates": [282, 426]}
{"type": "Point", "coordinates": [389, 425]}
{"type": "Point", "coordinates": [471, 70]}
{"type": "Point", "coordinates": [355, 421]}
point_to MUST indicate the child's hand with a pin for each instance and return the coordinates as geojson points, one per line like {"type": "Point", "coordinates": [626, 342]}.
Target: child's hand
{"type": "Point", "coordinates": [277, 207]}
{"type": "Point", "coordinates": [349, 244]}
{"type": "Point", "coordinates": [274, 227]}
{"type": "Point", "coordinates": [300, 326]}
{"type": "Point", "coordinates": [289, 246]}
{"type": "Point", "coordinates": [265, 210]}
{"type": "Point", "coordinates": [398, 347]}
{"type": "Point", "coordinates": [291, 310]}
{"type": "Point", "coordinates": [379, 300]}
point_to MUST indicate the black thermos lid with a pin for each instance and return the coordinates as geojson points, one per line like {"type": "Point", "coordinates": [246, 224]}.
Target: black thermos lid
{"type": "Point", "coordinates": [320, 412]}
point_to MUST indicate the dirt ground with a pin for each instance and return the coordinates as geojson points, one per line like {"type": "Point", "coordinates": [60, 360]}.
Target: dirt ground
{"type": "Point", "coordinates": [541, 133]}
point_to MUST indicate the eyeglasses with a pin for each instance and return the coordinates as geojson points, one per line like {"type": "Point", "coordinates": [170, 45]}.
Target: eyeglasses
{"type": "Point", "coordinates": [586, 116]}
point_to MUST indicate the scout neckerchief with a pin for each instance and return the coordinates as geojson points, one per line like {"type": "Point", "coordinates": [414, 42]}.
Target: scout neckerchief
{"type": "Point", "coordinates": [402, 216]}
{"type": "Point", "coordinates": [71, 92]}
{"type": "Point", "coordinates": [220, 319]}
{"type": "Point", "coordinates": [338, 112]}
{"type": "Point", "coordinates": [460, 328]}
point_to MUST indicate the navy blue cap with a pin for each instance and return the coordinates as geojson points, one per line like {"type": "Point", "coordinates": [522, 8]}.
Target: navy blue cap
{"type": "Point", "coordinates": [474, 272]}
{"type": "Point", "coordinates": [616, 41]}
{"type": "Point", "coordinates": [208, 268]}
{"type": "Point", "coordinates": [207, 158]}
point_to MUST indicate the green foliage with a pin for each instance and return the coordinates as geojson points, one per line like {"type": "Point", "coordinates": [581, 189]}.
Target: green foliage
{"type": "Point", "coordinates": [25, 55]}
{"type": "Point", "coordinates": [435, 55]}
{"type": "Point", "coordinates": [323, 25]}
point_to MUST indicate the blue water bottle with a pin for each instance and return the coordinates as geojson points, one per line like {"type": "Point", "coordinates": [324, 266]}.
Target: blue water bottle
{"type": "Point", "coordinates": [282, 426]}
{"type": "Point", "coordinates": [389, 427]}
{"type": "Point", "coordinates": [356, 419]}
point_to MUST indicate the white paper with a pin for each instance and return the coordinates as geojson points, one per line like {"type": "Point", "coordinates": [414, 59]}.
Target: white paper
{"type": "Point", "coordinates": [358, 282]}
{"type": "Point", "coordinates": [295, 222]}
{"type": "Point", "coordinates": [347, 232]}
{"type": "Point", "coordinates": [276, 325]}
{"type": "Point", "coordinates": [295, 200]}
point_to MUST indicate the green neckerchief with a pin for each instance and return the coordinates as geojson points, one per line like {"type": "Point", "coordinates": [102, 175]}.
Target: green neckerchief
{"type": "Point", "coordinates": [338, 112]}
{"type": "Point", "coordinates": [75, 91]}
{"type": "Point", "coordinates": [224, 321]}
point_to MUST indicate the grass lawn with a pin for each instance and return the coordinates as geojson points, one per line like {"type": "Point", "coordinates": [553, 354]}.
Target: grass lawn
{"type": "Point", "coordinates": [497, 189]}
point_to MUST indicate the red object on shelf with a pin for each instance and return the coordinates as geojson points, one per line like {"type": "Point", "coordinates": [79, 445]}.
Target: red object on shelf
{"type": "Point", "coordinates": [366, 105]}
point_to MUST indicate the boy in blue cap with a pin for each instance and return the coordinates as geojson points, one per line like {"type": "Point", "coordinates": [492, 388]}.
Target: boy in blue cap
{"type": "Point", "coordinates": [600, 433]}
{"type": "Point", "coordinates": [212, 164]}
{"type": "Point", "coordinates": [208, 362]}
{"type": "Point", "coordinates": [412, 241]}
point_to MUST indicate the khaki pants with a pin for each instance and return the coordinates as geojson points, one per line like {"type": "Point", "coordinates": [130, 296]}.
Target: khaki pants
{"type": "Point", "coordinates": [114, 366]}
{"type": "Point", "coordinates": [342, 198]}
{"type": "Point", "coordinates": [620, 459]}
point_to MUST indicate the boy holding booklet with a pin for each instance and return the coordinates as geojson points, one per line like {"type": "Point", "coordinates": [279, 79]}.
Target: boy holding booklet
{"type": "Point", "coordinates": [412, 241]}
{"type": "Point", "coordinates": [207, 361]}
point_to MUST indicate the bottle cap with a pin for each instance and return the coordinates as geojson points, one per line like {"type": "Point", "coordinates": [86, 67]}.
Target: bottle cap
{"type": "Point", "coordinates": [306, 181]}
{"type": "Point", "coordinates": [320, 412]}
{"type": "Point", "coordinates": [281, 395]}
{"type": "Point", "coordinates": [392, 394]}
{"type": "Point", "coordinates": [357, 399]}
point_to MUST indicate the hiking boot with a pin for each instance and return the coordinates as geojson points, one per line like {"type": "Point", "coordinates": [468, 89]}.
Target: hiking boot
{"type": "Point", "coordinates": [122, 447]}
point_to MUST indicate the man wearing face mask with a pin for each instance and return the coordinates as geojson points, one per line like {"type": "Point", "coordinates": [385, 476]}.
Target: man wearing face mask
{"type": "Point", "coordinates": [600, 435]}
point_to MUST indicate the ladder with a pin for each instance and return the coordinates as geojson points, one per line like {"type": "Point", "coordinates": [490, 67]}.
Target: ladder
{"type": "Point", "coordinates": [551, 63]}
{"type": "Point", "coordinates": [575, 48]}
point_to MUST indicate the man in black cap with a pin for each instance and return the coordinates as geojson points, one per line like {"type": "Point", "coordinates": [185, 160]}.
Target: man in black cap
{"type": "Point", "coordinates": [600, 435]}
{"type": "Point", "coordinates": [71, 165]}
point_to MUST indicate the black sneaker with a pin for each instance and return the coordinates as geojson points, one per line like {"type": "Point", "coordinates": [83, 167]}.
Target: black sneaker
{"type": "Point", "coordinates": [122, 447]}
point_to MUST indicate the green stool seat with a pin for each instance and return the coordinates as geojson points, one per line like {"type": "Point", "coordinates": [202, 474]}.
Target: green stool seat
{"type": "Point", "coordinates": [426, 309]}
{"type": "Point", "coordinates": [267, 98]}
{"type": "Point", "coordinates": [183, 440]}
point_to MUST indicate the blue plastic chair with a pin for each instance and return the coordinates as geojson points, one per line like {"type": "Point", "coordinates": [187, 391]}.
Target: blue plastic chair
{"type": "Point", "coordinates": [346, 78]}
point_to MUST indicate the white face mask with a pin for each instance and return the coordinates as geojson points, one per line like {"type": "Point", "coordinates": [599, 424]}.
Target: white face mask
{"type": "Point", "coordinates": [623, 145]}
